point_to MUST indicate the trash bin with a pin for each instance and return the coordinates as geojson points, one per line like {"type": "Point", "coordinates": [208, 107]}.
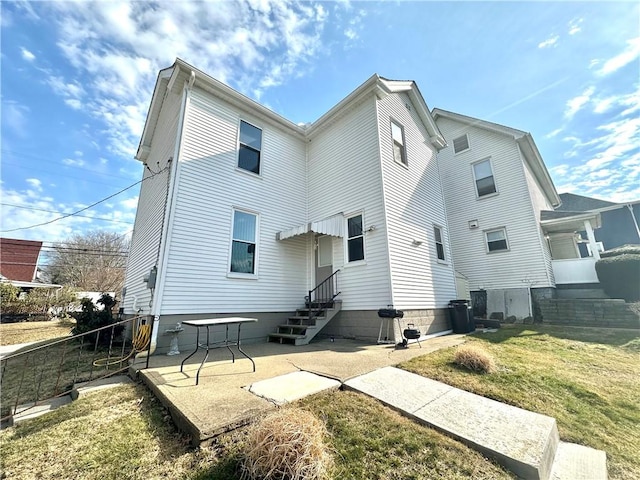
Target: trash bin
{"type": "Point", "coordinates": [461, 315]}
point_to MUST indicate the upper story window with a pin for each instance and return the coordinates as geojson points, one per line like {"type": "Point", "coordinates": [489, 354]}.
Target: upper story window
{"type": "Point", "coordinates": [437, 233]}
{"type": "Point", "coordinates": [250, 147]}
{"type": "Point", "coordinates": [244, 242]}
{"type": "Point", "coordinates": [496, 240]}
{"type": "Point", "coordinates": [399, 150]}
{"type": "Point", "coordinates": [460, 144]}
{"type": "Point", "coordinates": [483, 174]}
{"type": "Point", "coordinates": [355, 239]}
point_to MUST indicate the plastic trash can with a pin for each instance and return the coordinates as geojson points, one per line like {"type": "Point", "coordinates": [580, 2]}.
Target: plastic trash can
{"type": "Point", "coordinates": [461, 315]}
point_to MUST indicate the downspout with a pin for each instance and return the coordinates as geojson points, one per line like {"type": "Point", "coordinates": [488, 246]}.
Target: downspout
{"type": "Point", "coordinates": [169, 209]}
{"type": "Point", "coordinates": [633, 217]}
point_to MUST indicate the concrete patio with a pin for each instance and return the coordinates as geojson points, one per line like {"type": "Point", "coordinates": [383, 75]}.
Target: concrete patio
{"type": "Point", "coordinates": [222, 401]}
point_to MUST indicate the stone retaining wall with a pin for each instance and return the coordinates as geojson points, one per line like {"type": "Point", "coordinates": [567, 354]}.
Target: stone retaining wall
{"type": "Point", "coordinates": [589, 313]}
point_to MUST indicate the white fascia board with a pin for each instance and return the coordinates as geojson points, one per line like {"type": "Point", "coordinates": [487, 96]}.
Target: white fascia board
{"type": "Point", "coordinates": [476, 122]}
{"type": "Point", "coordinates": [533, 157]}
{"type": "Point", "coordinates": [572, 219]}
{"type": "Point", "coordinates": [153, 114]}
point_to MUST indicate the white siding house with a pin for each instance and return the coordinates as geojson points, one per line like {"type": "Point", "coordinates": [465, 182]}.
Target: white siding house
{"type": "Point", "coordinates": [243, 212]}
{"type": "Point", "coordinates": [495, 187]}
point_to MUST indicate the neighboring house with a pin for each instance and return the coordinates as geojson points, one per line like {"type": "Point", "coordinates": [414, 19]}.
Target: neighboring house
{"type": "Point", "coordinates": [19, 259]}
{"type": "Point", "coordinates": [495, 187]}
{"type": "Point", "coordinates": [242, 212]}
{"type": "Point", "coordinates": [620, 221]}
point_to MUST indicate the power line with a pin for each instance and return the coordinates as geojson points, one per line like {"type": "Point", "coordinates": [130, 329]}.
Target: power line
{"type": "Point", "coordinates": [90, 206]}
{"type": "Point", "coordinates": [53, 211]}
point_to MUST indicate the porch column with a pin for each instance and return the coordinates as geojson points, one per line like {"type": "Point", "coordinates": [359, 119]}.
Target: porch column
{"type": "Point", "coordinates": [592, 239]}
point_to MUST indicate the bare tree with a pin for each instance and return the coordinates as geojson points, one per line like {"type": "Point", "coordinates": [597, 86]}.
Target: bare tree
{"type": "Point", "coordinates": [92, 261]}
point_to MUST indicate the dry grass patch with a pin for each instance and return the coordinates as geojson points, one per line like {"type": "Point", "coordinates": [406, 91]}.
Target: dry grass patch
{"type": "Point", "coordinates": [288, 444]}
{"type": "Point", "coordinates": [474, 358]}
{"type": "Point", "coordinates": [25, 332]}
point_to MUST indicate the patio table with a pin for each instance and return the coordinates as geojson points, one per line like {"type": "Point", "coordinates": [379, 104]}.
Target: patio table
{"type": "Point", "coordinates": [209, 323]}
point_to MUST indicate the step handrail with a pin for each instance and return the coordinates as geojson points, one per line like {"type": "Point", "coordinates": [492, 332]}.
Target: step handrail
{"type": "Point", "coordinates": [327, 289]}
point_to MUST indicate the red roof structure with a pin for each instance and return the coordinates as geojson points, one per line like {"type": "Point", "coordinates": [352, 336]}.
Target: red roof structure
{"type": "Point", "coordinates": [19, 259]}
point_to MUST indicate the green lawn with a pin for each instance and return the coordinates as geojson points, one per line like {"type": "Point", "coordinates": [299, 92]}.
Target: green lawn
{"type": "Point", "coordinates": [588, 379]}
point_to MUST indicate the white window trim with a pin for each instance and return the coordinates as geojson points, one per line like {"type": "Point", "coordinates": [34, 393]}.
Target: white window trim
{"type": "Point", "coordinates": [506, 239]}
{"type": "Point", "coordinates": [404, 161]}
{"type": "Point", "coordinates": [475, 180]}
{"type": "Point", "coordinates": [461, 151]}
{"type": "Point", "coordinates": [238, 167]}
{"type": "Point", "coordinates": [445, 260]}
{"type": "Point", "coordinates": [347, 263]}
{"type": "Point", "coordinates": [247, 276]}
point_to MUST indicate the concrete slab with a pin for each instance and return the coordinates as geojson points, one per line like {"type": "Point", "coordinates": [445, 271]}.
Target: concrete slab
{"type": "Point", "coordinates": [292, 386]}
{"type": "Point", "coordinates": [522, 441]}
{"type": "Point", "coordinates": [577, 462]}
{"type": "Point", "coordinates": [102, 384]}
{"type": "Point", "coordinates": [33, 410]}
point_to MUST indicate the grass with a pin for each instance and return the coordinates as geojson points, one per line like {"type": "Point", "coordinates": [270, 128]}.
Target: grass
{"type": "Point", "coordinates": [124, 433]}
{"type": "Point", "coordinates": [24, 332]}
{"type": "Point", "coordinates": [588, 379]}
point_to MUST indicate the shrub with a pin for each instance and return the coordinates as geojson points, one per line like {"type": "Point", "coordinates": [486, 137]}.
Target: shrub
{"type": "Point", "coordinates": [619, 272]}
{"type": "Point", "coordinates": [474, 358]}
{"type": "Point", "coordinates": [287, 444]}
{"type": "Point", "coordinates": [90, 318]}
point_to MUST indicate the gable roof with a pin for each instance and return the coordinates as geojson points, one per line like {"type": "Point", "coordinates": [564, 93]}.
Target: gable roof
{"type": "Point", "coordinates": [181, 74]}
{"type": "Point", "coordinates": [523, 139]}
{"type": "Point", "coordinates": [579, 203]}
{"type": "Point", "coordinates": [19, 258]}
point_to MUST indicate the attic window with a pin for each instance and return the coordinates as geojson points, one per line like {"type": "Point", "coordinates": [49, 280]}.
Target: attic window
{"type": "Point", "coordinates": [461, 144]}
{"type": "Point", "coordinates": [399, 151]}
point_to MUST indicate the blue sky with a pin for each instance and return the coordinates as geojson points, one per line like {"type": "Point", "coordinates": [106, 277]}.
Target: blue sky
{"type": "Point", "coordinates": [77, 80]}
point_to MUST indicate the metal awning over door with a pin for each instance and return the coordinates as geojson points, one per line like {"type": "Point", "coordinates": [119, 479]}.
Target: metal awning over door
{"type": "Point", "coordinates": [333, 226]}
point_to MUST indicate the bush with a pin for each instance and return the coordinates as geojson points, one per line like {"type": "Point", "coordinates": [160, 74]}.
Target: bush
{"type": "Point", "coordinates": [474, 358]}
{"type": "Point", "coordinates": [287, 444]}
{"type": "Point", "coordinates": [619, 272]}
{"type": "Point", "coordinates": [38, 304]}
{"type": "Point", "coordinates": [90, 318]}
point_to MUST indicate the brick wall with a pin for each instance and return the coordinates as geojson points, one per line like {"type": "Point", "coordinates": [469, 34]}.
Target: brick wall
{"type": "Point", "coordinates": [589, 313]}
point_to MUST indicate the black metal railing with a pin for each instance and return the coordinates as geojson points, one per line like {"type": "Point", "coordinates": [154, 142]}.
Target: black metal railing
{"type": "Point", "coordinates": [322, 297]}
{"type": "Point", "coordinates": [47, 371]}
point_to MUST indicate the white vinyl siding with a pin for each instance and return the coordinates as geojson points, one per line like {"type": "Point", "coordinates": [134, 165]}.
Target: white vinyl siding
{"type": "Point", "coordinates": [150, 211]}
{"type": "Point", "coordinates": [344, 177]}
{"type": "Point", "coordinates": [511, 209]}
{"type": "Point", "coordinates": [414, 203]}
{"type": "Point", "coordinates": [197, 271]}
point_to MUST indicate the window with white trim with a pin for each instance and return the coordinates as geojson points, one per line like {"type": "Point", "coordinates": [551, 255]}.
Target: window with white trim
{"type": "Point", "coordinates": [250, 147]}
{"type": "Point", "coordinates": [439, 238]}
{"type": "Point", "coordinates": [355, 239]}
{"type": "Point", "coordinates": [399, 150]}
{"type": "Point", "coordinates": [496, 240]}
{"type": "Point", "coordinates": [483, 175]}
{"type": "Point", "coordinates": [460, 144]}
{"type": "Point", "coordinates": [244, 242]}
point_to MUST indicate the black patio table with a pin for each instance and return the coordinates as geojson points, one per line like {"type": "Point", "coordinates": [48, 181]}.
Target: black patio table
{"type": "Point", "coordinates": [212, 322]}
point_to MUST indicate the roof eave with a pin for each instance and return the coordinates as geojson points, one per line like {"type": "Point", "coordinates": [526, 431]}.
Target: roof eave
{"type": "Point", "coordinates": [144, 147]}
{"type": "Point", "coordinates": [532, 155]}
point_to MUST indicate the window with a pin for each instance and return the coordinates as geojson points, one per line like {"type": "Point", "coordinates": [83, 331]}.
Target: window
{"type": "Point", "coordinates": [497, 240]}
{"type": "Point", "coordinates": [461, 144]}
{"type": "Point", "coordinates": [355, 239]}
{"type": "Point", "coordinates": [243, 242]}
{"type": "Point", "coordinates": [483, 174]}
{"type": "Point", "coordinates": [250, 146]}
{"type": "Point", "coordinates": [437, 233]}
{"type": "Point", "coordinates": [399, 152]}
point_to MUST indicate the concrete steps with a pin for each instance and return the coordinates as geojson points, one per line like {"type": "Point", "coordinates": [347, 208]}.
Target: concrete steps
{"type": "Point", "coordinates": [300, 328]}
{"type": "Point", "coordinates": [524, 442]}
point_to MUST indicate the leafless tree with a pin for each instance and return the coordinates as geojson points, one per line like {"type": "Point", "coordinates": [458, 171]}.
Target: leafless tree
{"type": "Point", "coordinates": [92, 261]}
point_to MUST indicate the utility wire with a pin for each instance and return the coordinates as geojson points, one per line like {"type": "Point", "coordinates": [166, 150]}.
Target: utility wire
{"type": "Point", "coordinates": [54, 211]}
{"type": "Point", "coordinates": [86, 208]}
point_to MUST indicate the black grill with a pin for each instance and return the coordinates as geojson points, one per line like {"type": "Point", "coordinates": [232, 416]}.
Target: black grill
{"type": "Point", "coordinates": [390, 313]}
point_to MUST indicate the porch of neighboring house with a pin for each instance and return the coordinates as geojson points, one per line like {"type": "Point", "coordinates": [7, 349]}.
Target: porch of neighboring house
{"type": "Point", "coordinates": [575, 276]}
{"type": "Point", "coordinates": [222, 400]}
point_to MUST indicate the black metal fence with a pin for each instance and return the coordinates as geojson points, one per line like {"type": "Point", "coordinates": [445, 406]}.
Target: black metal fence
{"type": "Point", "coordinates": [47, 371]}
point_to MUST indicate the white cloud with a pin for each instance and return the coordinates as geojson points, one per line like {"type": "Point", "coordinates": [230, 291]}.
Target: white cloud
{"type": "Point", "coordinates": [631, 53]}
{"type": "Point", "coordinates": [73, 162]}
{"type": "Point", "coordinates": [350, 33]}
{"type": "Point", "coordinates": [574, 26]}
{"type": "Point", "coordinates": [14, 116]}
{"type": "Point", "coordinates": [549, 42]}
{"type": "Point", "coordinates": [576, 103]}
{"type": "Point", "coordinates": [35, 183]}
{"type": "Point", "coordinates": [554, 133]}
{"type": "Point", "coordinates": [117, 48]}
{"type": "Point", "coordinates": [27, 55]}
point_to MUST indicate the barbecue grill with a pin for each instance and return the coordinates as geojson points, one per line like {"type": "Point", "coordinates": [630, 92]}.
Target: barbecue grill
{"type": "Point", "coordinates": [409, 333]}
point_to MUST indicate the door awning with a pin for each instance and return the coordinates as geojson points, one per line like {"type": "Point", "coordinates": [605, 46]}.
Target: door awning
{"type": "Point", "coordinates": [333, 226]}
